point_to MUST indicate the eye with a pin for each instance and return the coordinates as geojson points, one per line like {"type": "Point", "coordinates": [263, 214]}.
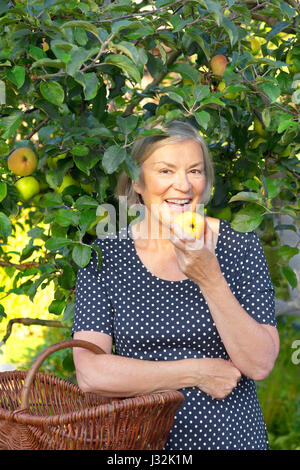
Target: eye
{"type": "Point", "coordinates": [164, 171]}
{"type": "Point", "coordinates": [196, 171]}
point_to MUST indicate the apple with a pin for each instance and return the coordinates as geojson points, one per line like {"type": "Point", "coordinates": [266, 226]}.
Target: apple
{"type": "Point", "coordinates": [22, 161]}
{"type": "Point", "coordinates": [218, 64]}
{"type": "Point", "coordinates": [191, 223]}
{"type": "Point", "coordinates": [222, 87]}
{"type": "Point", "coordinates": [258, 126]}
{"type": "Point", "coordinates": [28, 187]}
{"type": "Point", "coordinates": [67, 181]}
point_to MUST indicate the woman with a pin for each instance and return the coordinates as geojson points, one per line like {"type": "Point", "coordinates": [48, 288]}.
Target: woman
{"type": "Point", "coordinates": [184, 314]}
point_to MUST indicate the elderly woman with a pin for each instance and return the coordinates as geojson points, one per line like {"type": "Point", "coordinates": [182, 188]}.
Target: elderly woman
{"type": "Point", "coordinates": [184, 314]}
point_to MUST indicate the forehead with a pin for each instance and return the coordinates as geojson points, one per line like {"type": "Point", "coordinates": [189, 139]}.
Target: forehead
{"type": "Point", "coordinates": [187, 151]}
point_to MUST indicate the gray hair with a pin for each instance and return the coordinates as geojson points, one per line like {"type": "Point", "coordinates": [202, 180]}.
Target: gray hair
{"type": "Point", "coordinates": [177, 131]}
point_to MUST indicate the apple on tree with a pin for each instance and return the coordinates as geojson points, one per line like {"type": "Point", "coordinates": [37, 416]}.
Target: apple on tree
{"type": "Point", "coordinates": [68, 180]}
{"type": "Point", "coordinates": [28, 187]}
{"type": "Point", "coordinates": [22, 161]}
{"type": "Point", "coordinates": [218, 64]}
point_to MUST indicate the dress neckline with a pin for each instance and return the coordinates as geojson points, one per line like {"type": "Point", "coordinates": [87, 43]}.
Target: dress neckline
{"type": "Point", "coordinates": [160, 279]}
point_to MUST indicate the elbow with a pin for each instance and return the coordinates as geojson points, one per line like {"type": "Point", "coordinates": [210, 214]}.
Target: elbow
{"type": "Point", "coordinates": [83, 383]}
{"type": "Point", "coordinates": [263, 371]}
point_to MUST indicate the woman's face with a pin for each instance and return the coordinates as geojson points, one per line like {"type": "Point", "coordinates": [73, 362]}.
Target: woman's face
{"type": "Point", "coordinates": [172, 180]}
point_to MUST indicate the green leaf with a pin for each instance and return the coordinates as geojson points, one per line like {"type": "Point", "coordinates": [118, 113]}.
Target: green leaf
{"type": "Point", "coordinates": [231, 30]}
{"type": "Point", "coordinates": [99, 256]}
{"type": "Point", "coordinates": [248, 196]}
{"type": "Point", "coordinates": [127, 124]}
{"type": "Point", "coordinates": [287, 252]}
{"type": "Point", "coordinates": [53, 92]}
{"type": "Point", "coordinates": [17, 75]}
{"type": "Point", "coordinates": [66, 217]}
{"type": "Point", "coordinates": [54, 63]}
{"type": "Point", "coordinates": [290, 276]}
{"type": "Point", "coordinates": [131, 167]}
{"type": "Point", "coordinates": [247, 219]}
{"type": "Point", "coordinates": [56, 243]}
{"type": "Point", "coordinates": [272, 91]}
{"type": "Point", "coordinates": [186, 71]}
{"type": "Point", "coordinates": [3, 191]}
{"type": "Point", "coordinates": [51, 199]}
{"type": "Point", "coordinates": [81, 254]}
{"type": "Point", "coordinates": [82, 24]}
{"type": "Point", "coordinates": [112, 158]}
{"type": "Point", "coordinates": [78, 58]}
{"type": "Point", "coordinates": [280, 26]}
{"type": "Point", "coordinates": [5, 225]}
{"type": "Point", "coordinates": [57, 306]}
{"type": "Point", "coordinates": [202, 118]}
{"type": "Point", "coordinates": [80, 150]}
{"type": "Point", "coordinates": [2, 313]}
{"type": "Point", "coordinates": [69, 312]}
{"type": "Point", "coordinates": [215, 9]}
{"type": "Point", "coordinates": [10, 124]}
{"type": "Point", "coordinates": [84, 202]}
{"type": "Point", "coordinates": [89, 82]}
{"type": "Point", "coordinates": [37, 52]}
{"type": "Point", "coordinates": [125, 64]}
{"type": "Point", "coordinates": [67, 279]}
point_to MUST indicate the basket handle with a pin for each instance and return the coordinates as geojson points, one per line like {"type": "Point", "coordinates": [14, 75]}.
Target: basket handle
{"type": "Point", "coordinates": [40, 359]}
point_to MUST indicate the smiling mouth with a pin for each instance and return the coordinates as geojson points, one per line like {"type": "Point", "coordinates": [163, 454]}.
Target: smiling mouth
{"type": "Point", "coordinates": [178, 203]}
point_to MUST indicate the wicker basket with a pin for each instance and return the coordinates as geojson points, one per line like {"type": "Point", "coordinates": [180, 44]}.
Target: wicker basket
{"type": "Point", "coordinates": [40, 411]}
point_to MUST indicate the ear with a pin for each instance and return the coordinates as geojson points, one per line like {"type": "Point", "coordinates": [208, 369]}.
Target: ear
{"type": "Point", "coordinates": [137, 187]}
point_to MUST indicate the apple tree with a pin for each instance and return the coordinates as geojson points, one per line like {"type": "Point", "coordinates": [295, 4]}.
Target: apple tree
{"type": "Point", "coordinates": [81, 81]}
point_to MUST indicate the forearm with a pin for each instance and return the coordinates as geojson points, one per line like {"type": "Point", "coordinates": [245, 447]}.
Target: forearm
{"type": "Point", "coordinates": [249, 345]}
{"type": "Point", "coordinates": [117, 376]}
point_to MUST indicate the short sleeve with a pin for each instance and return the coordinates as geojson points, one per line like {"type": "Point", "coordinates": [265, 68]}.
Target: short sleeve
{"type": "Point", "coordinates": [255, 291]}
{"type": "Point", "coordinates": [93, 308]}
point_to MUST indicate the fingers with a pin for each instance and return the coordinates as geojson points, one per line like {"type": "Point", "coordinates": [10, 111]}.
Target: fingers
{"type": "Point", "coordinates": [184, 240]}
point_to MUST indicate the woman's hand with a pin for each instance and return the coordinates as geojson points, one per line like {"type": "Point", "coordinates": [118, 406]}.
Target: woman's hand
{"type": "Point", "coordinates": [217, 377]}
{"type": "Point", "coordinates": [196, 257]}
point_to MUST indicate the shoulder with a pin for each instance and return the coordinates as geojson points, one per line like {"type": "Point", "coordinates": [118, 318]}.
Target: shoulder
{"type": "Point", "coordinates": [214, 224]}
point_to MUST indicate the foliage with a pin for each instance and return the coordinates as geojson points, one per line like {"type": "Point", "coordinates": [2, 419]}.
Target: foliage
{"type": "Point", "coordinates": [80, 81]}
{"type": "Point", "coordinates": [279, 394]}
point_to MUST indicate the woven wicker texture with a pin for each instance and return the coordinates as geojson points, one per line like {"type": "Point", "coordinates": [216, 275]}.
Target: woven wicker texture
{"type": "Point", "coordinates": [40, 411]}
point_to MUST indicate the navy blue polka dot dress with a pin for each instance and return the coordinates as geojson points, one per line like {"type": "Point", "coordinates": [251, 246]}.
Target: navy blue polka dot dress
{"type": "Point", "coordinates": [150, 318]}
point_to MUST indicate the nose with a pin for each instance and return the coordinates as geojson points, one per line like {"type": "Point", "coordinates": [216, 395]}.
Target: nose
{"type": "Point", "coordinates": [182, 182]}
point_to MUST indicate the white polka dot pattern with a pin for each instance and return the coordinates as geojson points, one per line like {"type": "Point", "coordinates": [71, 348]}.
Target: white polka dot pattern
{"type": "Point", "coordinates": [154, 319]}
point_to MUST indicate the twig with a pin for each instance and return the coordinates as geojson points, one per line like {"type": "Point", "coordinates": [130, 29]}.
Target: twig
{"type": "Point", "coordinates": [20, 267]}
{"type": "Point", "coordinates": [172, 58]}
{"type": "Point", "coordinates": [37, 128]}
{"type": "Point", "coordinates": [28, 322]}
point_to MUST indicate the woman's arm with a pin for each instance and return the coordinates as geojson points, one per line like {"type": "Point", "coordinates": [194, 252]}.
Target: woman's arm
{"type": "Point", "coordinates": [116, 376]}
{"type": "Point", "coordinates": [251, 346]}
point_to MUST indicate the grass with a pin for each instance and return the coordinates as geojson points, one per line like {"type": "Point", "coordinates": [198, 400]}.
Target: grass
{"type": "Point", "coordinates": [279, 394]}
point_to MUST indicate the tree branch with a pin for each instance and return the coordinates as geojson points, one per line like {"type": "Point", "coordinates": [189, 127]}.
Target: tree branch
{"type": "Point", "coordinates": [37, 128]}
{"type": "Point", "coordinates": [172, 58]}
{"type": "Point", "coordinates": [20, 267]}
{"type": "Point", "coordinates": [28, 322]}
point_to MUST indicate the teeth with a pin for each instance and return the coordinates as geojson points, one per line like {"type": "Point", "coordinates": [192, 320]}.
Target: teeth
{"type": "Point", "coordinates": [176, 201]}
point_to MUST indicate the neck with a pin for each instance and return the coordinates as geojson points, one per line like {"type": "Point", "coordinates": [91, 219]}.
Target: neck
{"type": "Point", "coordinates": [152, 234]}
